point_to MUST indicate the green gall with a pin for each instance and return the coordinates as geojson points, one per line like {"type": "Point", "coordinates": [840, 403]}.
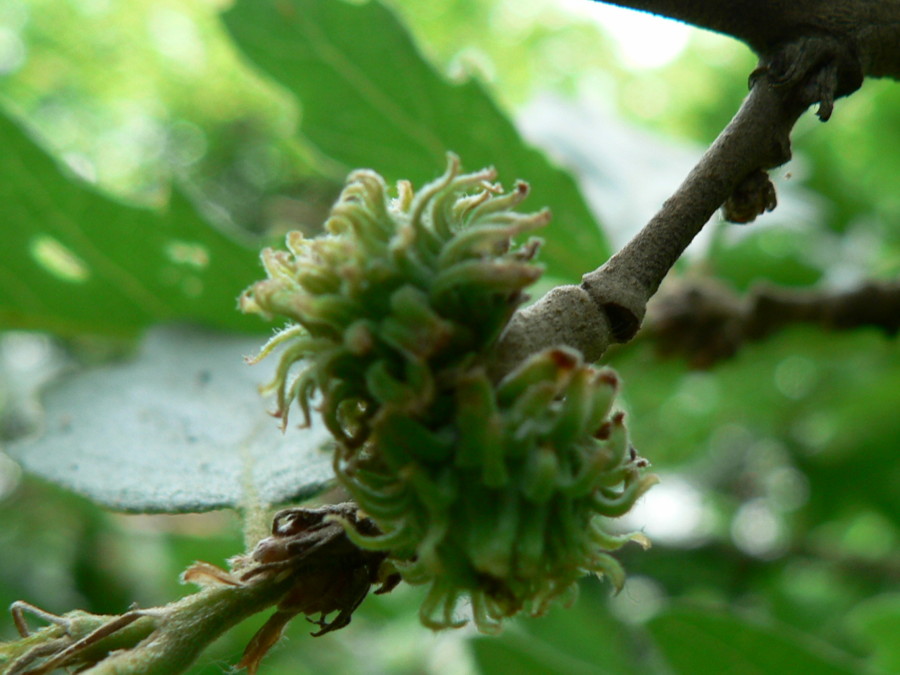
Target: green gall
{"type": "Point", "coordinates": [496, 491]}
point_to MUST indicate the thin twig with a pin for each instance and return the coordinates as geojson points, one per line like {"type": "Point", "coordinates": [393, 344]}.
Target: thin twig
{"type": "Point", "coordinates": [610, 303]}
{"type": "Point", "coordinates": [705, 322]}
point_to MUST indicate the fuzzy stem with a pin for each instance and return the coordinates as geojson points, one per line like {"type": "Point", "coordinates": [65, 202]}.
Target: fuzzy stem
{"type": "Point", "coordinates": [157, 641]}
{"type": "Point", "coordinates": [190, 625]}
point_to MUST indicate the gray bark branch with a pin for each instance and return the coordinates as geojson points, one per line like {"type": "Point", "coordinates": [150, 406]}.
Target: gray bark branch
{"type": "Point", "coordinates": [811, 51]}
{"type": "Point", "coordinates": [705, 322]}
{"type": "Point", "coordinates": [610, 303]}
{"type": "Point", "coordinates": [869, 28]}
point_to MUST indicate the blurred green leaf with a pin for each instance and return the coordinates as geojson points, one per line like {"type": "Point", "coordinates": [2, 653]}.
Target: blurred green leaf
{"type": "Point", "coordinates": [517, 654]}
{"type": "Point", "coordinates": [75, 261]}
{"type": "Point", "coordinates": [370, 100]}
{"type": "Point", "coordinates": [778, 255]}
{"type": "Point", "coordinates": [877, 623]}
{"type": "Point", "coordinates": [582, 639]}
{"type": "Point", "coordinates": [828, 398]}
{"type": "Point", "coordinates": [181, 428]}
{"type": "Point", "coordinates": [853, 163]}
{"type": "Point", "coordinates": [701, 642]}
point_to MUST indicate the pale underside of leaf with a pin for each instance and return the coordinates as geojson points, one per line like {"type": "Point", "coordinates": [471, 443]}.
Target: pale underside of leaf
{"type": "Point", "coordinates": [180, 428]}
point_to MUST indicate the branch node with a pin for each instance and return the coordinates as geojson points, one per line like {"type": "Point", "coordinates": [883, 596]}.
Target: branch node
{"type": "Point", "coordinates": [817, 68]}
{"type": "Point", "coordinates": [621, 297]}
{"type": "Point", "coordinates": [567, 315]}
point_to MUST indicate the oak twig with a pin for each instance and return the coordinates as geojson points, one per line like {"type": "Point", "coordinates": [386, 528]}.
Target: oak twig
{"type": "Point", "coordinates": [307, 566]}
{"type": "Point", "coordinates": [706, 322]}
{"type": "Point", "coordinates": [610, 303]}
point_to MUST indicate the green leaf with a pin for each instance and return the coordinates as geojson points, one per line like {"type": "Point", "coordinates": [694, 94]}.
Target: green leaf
{"type": "Point", "coordinates": [697, 642]}
{"type": "Point", "coordinates": [877, 623]}
{"type": "Point", "coordinates": [75, 261]}
{"type": "Point", "coordinates": [515, 654]}
{"type": "Point", "coordinates": [369, 99]}
{"type": "Point", "coordinates": [579, 640]}
{"type": "Point", "coordinates": [781, 255]}
{"type": "Point", "coordinates": [181, 428]}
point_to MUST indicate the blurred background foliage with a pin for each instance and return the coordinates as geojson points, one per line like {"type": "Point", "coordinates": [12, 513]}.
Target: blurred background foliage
{"type": "Point", "coordinates": [779, 503]}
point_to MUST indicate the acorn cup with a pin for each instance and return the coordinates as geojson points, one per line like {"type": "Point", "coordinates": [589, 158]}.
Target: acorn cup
{"type": "Point", "coordinates": [499, 491]}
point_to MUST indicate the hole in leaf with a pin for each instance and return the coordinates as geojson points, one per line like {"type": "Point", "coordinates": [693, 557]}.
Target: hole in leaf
{"type": "Point", "coordinates": [58, 260]}
{"type": "Point", "coordinates": [187, 253]}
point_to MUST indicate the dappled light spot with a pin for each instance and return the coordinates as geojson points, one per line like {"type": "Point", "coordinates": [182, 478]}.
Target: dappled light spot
{"type": "Point", "coordinates": [175, 36]}
{"type": "Point", "coordinates": [12, 51]}
{"type": "Point", "coordinates": [671, 513]}
{"type": "Point", "coordinates": [130, 145]}
{"type": "Point", "coordinates": [795, 377]}
{"type": "Point", "coordinates": [83, 166]}
{"type": "Point", "coordinates": [640, 600]}
{"type": "Point", "coordinates": [787, 488]}
{"type": "Point", "coordinates": [187, 143]}
{"type": "Point", "coordinates": [57, 259]}
{"type": "Point", "coordinates": [24, 354]}
{"type": "Point", "coordinates": [814, 431]}
{"type": "Point", "coordinates": [730, 439]}
{"type": "Point", "coordinates": [758, 531]}
{"type": "Point", "coordinates": [187, 253]}
{"type": "Point", "coordinates": [93, 9]}
{"type": "Point", "coordinates": [643, 41]}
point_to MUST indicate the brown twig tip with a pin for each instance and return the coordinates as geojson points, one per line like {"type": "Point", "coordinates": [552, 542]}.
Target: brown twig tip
{"type": "Point", "coordinates": [706, 322]}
